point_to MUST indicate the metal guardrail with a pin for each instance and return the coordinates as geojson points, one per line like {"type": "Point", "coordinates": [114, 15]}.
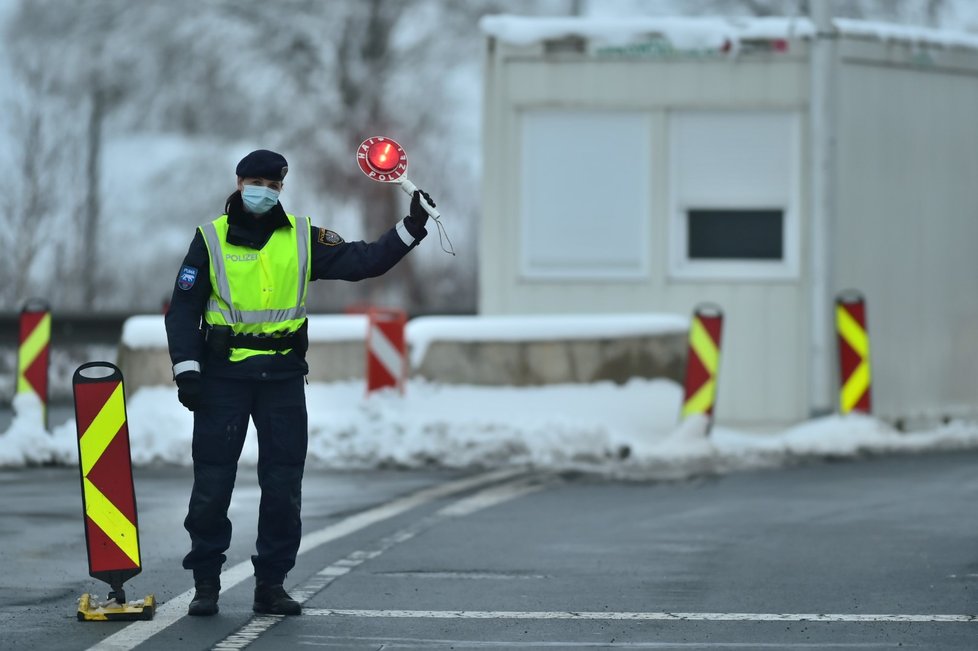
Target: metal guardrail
{"type": "Point", "coordinates": [69, 328]}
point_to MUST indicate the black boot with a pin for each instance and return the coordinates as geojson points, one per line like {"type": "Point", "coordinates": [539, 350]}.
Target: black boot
{"type": "Point", "coordinates": [272, 599]}
{"type": "Point", "coordinates": [205, 599]}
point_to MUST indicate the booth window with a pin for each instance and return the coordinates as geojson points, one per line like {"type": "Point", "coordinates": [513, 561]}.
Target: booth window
{"type": "Point", "coordinates": [584, 178]}
{"type": "Point", "coordinates": [746, 234]}
{"type": "Point", "coordinates": [734, 195]}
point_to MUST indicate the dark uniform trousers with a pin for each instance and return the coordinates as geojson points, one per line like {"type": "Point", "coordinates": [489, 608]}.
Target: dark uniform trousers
{"type": "Point", "coordinates": [278, 408]}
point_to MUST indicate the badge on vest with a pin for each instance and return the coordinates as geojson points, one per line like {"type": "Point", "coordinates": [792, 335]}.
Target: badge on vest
{"type": "Point", "coordinates": [329, 238]}
{"type": "Point", "coordinates": [187, 277]}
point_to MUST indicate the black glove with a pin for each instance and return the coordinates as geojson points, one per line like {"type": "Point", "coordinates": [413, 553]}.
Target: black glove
{"type": "Point", "coordinates": [419, 216]}
{"type": "Point", "coordinates": [189, 389]}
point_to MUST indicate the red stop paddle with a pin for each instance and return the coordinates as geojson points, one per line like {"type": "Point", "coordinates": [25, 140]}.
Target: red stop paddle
{"type": "Point", "coordinates": [382, 159]}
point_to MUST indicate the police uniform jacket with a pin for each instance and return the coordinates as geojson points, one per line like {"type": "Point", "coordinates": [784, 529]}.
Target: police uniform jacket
{"type": "Point", "coordinates": [332, 259]}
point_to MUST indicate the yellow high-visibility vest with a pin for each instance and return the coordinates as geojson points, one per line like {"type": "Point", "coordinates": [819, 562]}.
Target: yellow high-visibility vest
{"type": "Point", "coordinates": [258, 292]}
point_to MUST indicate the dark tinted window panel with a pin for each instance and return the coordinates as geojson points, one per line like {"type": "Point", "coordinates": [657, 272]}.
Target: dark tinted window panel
{"type": "Point", "coordinates": [752, 234]}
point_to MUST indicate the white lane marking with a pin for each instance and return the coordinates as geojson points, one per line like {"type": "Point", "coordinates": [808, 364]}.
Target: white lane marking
{"type": "Point", "coordinates": [175, 608]}
{"type": "Point", "coordinates": [345, 642]}
{"type": "Point", "coordinates": [465, 575]}
{"type": "Point", "coordinates": [398, 506]}
{"type": "Point", "coordinates": [249, 632]}
{"type": "Point", "coordinates": [635, 616]}
{"type": "Point", "coordinates": [488, 497]}
{"type": "Point", "coordinates": [466, 506]}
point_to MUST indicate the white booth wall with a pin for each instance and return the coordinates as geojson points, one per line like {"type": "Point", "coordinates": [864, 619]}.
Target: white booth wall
{"type": "Point", "coordinates": [589, 169]}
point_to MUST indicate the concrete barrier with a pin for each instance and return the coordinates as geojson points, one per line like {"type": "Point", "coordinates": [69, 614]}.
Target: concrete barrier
{"type": "Point", "coordinates": [481, 350]}
{"type": "Point", "coordinates": [527, 363]}
{"type": "Point", "coordinates": [329, 361]}
{"type": "Point", "coordinates": [547, 349]}
{"type": "Point", "coordinates": [336, 350]}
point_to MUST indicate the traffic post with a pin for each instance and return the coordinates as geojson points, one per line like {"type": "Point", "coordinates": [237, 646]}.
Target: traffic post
{"type": "Point", "coordinates": [702, 361]}
{"type": "Point", "coordinates": [386, 351]}
{"type": "Point", "coordinates": [108, 494]}
{"type": "Point", "coordinates": [33, 352]}
{"type": "Point", "coordinates": [855, 378]}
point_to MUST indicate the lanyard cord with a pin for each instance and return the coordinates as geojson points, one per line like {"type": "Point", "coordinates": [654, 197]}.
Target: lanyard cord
{"type": "Point", "coordinates": [441, 231]}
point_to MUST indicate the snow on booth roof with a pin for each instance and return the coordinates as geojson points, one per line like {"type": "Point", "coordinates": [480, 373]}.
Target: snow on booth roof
{"type": "Point", "coordinates": [713, 32]}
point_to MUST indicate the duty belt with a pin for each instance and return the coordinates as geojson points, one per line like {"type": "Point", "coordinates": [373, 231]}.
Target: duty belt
{"type": "Point", "coordinates": [253, 342]}
{"type": "Point", "coordinates": [220, 339]}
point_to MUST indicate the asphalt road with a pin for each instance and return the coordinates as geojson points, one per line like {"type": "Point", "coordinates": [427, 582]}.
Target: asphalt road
{"type": "Point", "coordinates": [872, 554]}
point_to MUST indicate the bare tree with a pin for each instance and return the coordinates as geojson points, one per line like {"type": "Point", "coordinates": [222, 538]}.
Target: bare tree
{"type": "Point", "coordinates": [23, 225]}
{"type": "Point", "coordinates": [77, 68]}
{"type": "Point", "coordinates": [310, 78]}
{"type": "Point", "coordinates": [42, 142]}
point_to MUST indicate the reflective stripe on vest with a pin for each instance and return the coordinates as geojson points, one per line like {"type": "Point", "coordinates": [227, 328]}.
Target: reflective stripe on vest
{"type": "Point", "coordinates": [259, 292]}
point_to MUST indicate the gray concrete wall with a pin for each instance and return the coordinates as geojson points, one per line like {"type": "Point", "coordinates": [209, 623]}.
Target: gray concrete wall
{"type": "Point", "coordinates": [525, 363]}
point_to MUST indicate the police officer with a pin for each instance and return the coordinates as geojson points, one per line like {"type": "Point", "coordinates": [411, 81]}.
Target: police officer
{"type": "Point", "coordinates": [236, 328]}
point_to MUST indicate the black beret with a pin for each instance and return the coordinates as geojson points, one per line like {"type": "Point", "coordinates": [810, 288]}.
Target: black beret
{"type": "Point", "coordinates": [263, 164]}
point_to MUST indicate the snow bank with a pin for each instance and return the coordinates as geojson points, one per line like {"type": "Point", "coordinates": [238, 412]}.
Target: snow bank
{"type": "Point", "coordinates": [683, 32]}
{"type": "Point", "coordinates": [629, 431]}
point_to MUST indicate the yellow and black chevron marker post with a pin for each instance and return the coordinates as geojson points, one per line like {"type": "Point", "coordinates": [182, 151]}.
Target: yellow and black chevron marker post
{"type": "Point", "coordinates": [855, 379]}
{"type": "Point", "coordinates": [108, 494]}
{"type": "Point", "coordinates": [33, 350]}
{"type": "Point", "coordinates": [703, 361]}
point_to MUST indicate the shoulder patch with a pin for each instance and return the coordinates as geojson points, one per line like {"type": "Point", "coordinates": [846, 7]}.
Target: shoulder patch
{"type": "Point", "coordinates": [187, 277]}
{"type": "Point", "coordinates": [329, 238]}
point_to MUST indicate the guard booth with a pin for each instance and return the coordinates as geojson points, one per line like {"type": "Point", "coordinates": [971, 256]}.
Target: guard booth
{"type": "Point", "coordinates": [651, 164]}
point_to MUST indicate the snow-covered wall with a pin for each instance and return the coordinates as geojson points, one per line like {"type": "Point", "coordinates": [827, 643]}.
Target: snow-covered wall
{"type": "Point", "coordinates": [507, 351]}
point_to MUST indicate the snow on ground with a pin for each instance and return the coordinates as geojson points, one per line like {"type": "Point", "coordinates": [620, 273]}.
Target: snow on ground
{"type": "Point", "coordinates": [629, 430]}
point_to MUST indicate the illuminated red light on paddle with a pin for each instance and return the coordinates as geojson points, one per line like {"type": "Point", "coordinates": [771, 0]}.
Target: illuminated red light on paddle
{"type": "Point", "coordinates": [382, 159]}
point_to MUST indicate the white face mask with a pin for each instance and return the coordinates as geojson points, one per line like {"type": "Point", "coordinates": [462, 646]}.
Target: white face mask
{"type": "Point", "coordinates": [259, 199]}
